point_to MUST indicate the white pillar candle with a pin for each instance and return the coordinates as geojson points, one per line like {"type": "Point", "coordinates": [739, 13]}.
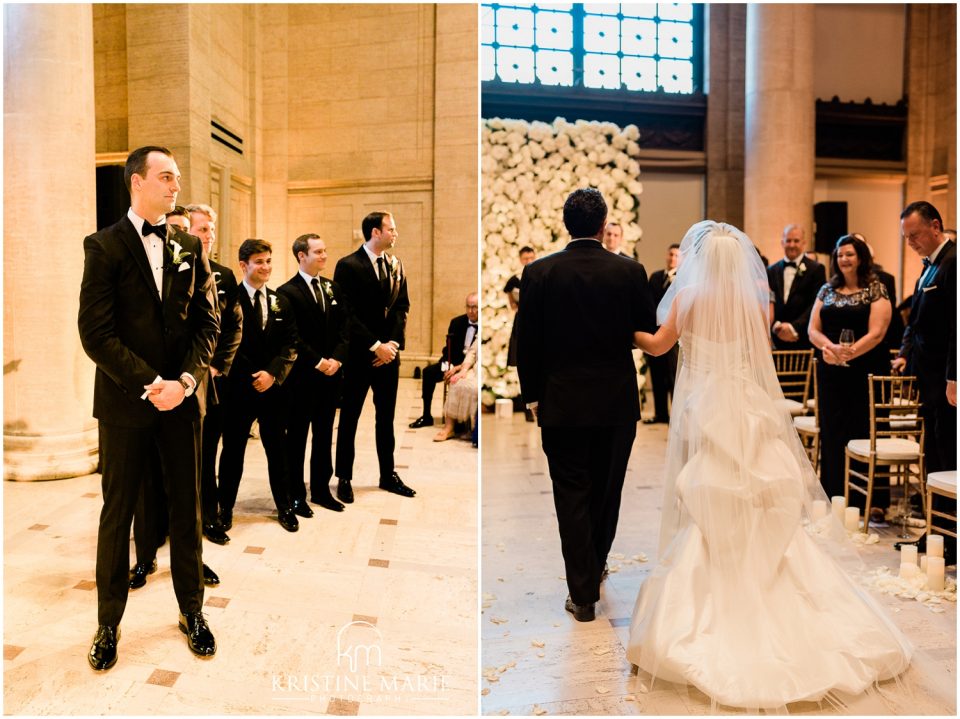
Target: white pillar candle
{"type": "Point", "coordinates": [504, 408]}
{"type": "Point", "coordinates": [851, 518]}
{"type": "Point", "coordinates": [818, 510]}
{"type": "Point", "coordinates": [934, 545]}
{"type": "Point", "coordinates": [908, 554]}
{"type": "Point", "coordinates": [836, 505]}
{"type": "Point", "coordinates": [935, 570]}
{"type": "Point", "coordinates": [908, 571]}
{"type": "Point", "coordinates": [923, 564]}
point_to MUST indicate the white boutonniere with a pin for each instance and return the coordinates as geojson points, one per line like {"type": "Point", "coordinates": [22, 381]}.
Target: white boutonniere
{"type": "Point", "coordinates": [328, 288]}
{"type": "Point", "coordinates": [801, 268]}
{"type": "Point", "coordinates": [396, 268]}
{"type": "Point", "coordinates": [177, 253]}
{"type": "Point", "coordinates": [274, 304]}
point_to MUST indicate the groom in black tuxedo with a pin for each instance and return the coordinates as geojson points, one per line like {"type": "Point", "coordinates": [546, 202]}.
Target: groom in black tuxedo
{"type": "Point", "coordinates": [580, 309]}
{"type": "Point", "coordinates": [375, 286]}
{"type": "Point", "coordinates": [929, 349]}
{"type": "Point", "coordinates": [795, 281]}
{"type": "Point", "coordinates": [149, 320]}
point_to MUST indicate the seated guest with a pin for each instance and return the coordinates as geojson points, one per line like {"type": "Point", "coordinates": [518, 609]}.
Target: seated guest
{"type": "Point", "coordinates": [460, 334]}
{"type": "Point", "coordinates": [252, 391]}
{"type": "Point", "coordinates": [461, 404]}
{"type": "Point", "coordinates": [315, 382]}
{"type": "Point", "coordinates": [794, 282]}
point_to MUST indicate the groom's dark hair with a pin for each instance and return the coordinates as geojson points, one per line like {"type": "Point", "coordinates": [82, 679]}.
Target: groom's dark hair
{"type": "Point", "coordinates": [584, 212]}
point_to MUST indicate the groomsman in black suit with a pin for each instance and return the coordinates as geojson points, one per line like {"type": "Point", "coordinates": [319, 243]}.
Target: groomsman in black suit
{"type": "Point", "coordinates": [663, 369]}
{"type": "Point", "coordinates": [375, 287]}
{"type": "Point", "coordinates": [795, 281]}
{"type": "Point", "coordinates": [580, 309]}
{"type": "Point", "coordinates": [252, 391]}
{"type": "Point", "coordinates": [613, 239]}
{"type": "Point", "coordinates": [460, 335]}
{"type": "Point", "coordinates": [203, 220]}
{"type": "Point", "coordinates": [148, 319]}
{"type": "Point", "coordinates": [313, 387]}
{"type": "Point", "coordinates": [929, 349]}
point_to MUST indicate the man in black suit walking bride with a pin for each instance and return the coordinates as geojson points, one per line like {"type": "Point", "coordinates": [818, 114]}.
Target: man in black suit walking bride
{"type": "Point", "coordinates": [580, 308]}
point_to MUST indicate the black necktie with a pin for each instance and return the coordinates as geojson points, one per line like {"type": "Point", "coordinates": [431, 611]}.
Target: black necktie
{"type": "Point", "coordinates": [384, 277]}
{"type": "Point", "coordinates": [667, 279]}
{"type": "Point", "coordinates": [257, 310]}
{"type": "Point", "coordinates": [926, 262]}
{"type": "Point", "coordinates": [316, 291]}
{"type": "Point", "coordinates": [158, 230]}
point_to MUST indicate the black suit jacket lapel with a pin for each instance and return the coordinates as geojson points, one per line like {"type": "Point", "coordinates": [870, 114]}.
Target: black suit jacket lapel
{"type": "Point", "coordinates": [129, 237]}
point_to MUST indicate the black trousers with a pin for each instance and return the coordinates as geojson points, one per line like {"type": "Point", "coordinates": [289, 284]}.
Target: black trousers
{"type": "Point", "coordinates": [150, 517]}
{"type": "Point", "coordinates": [587, 467]}
{"type": "Point", "coordinates": [663, 372]}
{"type": "Point", "coordinates": [241, 405]}
{"type": "Point", "coordinates": [312, 406]}
{"type": "Point", "coordinates": [128, 456]}
{"type": "Point", "coordinates": [432, 376]}
{"type": "Point", "coordinates": [211, 433]}
{"type": "Point", "coordinates": [359, 378]}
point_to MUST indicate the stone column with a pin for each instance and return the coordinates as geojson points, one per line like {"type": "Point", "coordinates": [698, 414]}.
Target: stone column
{"type": "Point", "coordinates": [49, 205]}
{"type": "Point", "coordinates": [780, 118]}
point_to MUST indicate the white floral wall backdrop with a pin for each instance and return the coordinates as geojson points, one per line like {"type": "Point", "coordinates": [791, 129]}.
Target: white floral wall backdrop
{"type": "Point", "coordinates": [529, 169]}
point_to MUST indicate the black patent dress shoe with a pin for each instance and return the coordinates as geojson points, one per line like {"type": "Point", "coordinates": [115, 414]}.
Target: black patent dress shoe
{"type": "Point", "coordinates": [288, 520]}
{"type": "Point", "coordinates": [210, 577]}
{"type": "Point", "coordinates": [655, 420]}
{"type": "Point", "coordinates": [328, 502]}
{"type": "Point", "coordinates": [103, 653]}
{"type": "Point", "coordinates": [580, 612]}
{"type": "Point", "coordinates": [345, 491]}
{"type": "Point", "coordinates": [302, 509]}
{"type": "Point", "coordinates": [139, 572]}
{"type": "Point", "coordinates": [395, 485]}
{"type": "Point", "coordinates": [199, 637]}
{"type": "Point", "coordinates": [215, 533]}
{"type": "Point", "coordinates": [226, 519]}
{"type": "Point", "coordinates": [424, 421]}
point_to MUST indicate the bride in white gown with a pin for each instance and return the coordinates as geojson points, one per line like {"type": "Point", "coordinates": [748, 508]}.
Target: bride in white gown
{"type": "Point", "coordinates": [748, 602]}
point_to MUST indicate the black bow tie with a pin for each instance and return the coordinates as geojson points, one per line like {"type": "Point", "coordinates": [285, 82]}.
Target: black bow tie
{"type": "Point", "coordinates": [471, 324]}
{"type": "Point", "coordinates": [790, 264]}
{"type": "Point", "coordinates": [159, 230]}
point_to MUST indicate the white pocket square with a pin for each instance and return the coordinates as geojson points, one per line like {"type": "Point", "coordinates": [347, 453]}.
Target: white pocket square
{"type": "Point", "coordinates": [930, 288]}
{"type": "Point", "coordinates": [183, 266]}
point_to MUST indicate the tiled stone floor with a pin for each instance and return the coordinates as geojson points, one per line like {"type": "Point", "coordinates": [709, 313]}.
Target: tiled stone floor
{"type": "Point", "coordinates": [369, 611]}
{"type": "Point", "coordinates": [537, 658]}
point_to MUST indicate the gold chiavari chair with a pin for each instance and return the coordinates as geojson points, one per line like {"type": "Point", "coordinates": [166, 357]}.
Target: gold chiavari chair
{"type": "Point", "coordinates": [793, 371]}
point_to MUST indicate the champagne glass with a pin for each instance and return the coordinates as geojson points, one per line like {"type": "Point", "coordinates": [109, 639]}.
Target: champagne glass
{"type": "Point", "coordinates": [904, 510]}
{"type": "Point", "coordinates": [846, 340]}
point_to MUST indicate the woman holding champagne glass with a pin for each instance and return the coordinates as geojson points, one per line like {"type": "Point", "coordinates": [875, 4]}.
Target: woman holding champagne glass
{"type": "Point", "coordinates": [847, 326]}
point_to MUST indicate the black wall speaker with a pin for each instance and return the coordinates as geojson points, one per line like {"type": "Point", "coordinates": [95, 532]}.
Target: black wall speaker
{"type": "Point", "coordinates": [113, 200]}
{"type": "Point", "coordinates": [830, 221]}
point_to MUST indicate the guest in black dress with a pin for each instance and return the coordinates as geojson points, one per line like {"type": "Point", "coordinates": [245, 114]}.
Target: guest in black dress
{"type": "Point", "coordinates": [852, 299]}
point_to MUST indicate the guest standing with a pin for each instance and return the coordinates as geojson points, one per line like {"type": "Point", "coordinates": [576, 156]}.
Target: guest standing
{"type": "Point", "coordinates": [794, 282]}
{"type": "Point", "coordinates": [856, 300]}
{"type": "Point", "coordinates": [663, 368]}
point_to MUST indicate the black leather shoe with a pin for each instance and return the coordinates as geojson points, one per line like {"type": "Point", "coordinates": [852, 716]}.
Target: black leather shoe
{"type": "Point", "coordinates": [328, 502]}
{"type": "Point", "coordinates": [215, 533]}
{"type": "Point", "coordinates": [288, 520]}
{"type": "Point", "coordinates": [199, 637]}
{"type": "Point", "coordinates": [103, 653]}
{"type": "Point", "coordinates": [580, 612]}
{"type": "Point", "coordinates": [210, 577]}
{"type": "Point", "coordinates": [302, 509]}
{"type": "Point", "coordinates": [655, 420]}
{"type": "Point", "coordinates": [424, 421]}
{"type": "Point", "coordinates": [345, 491]}
{"type": "Point", "coordinates": [226, 519]}
{"type": "Point", "coordinates": [139, 572]}
{"type": "Point", "coordinates": [395, 485]}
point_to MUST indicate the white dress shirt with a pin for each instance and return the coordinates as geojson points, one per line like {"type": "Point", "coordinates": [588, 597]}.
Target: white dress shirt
{"type": "Point", "coordinates": [153, 246]}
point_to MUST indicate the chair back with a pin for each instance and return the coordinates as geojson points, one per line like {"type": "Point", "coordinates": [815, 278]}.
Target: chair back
{"type": "Point", "coordinates": [793, 370]}
{"type": "Point", "coordinates": [892, 397]}
{"type": "Point", "coordinates": [815, 391]}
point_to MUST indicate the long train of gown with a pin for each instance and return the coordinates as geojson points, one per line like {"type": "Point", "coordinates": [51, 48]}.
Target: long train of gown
{"type": "Point", "coordinates": [744, 604]}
